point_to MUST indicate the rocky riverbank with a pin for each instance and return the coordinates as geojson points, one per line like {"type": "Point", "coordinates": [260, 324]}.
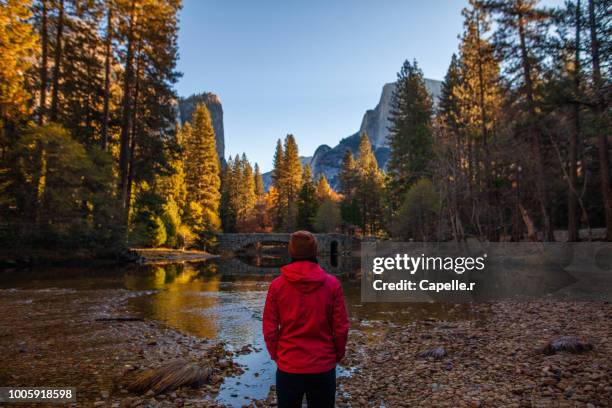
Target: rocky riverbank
{"type": "Point", "coordinates": [493, 361]}
{"type": "Point", "coordinates": [86, 339]}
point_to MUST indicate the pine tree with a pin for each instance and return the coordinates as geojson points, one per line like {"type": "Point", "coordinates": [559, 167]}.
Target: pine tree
{"type": "Point", "coordinates": [263, 208]}
{"type": "Point", "coordinates": [108, 61]}
{"type": "Point", "coordinates": [17, 45]}
{"type": "Point", "coordinates": [451, 157]}
{"type": "Point", "coordinates": [173, 185]}
{"type": "Point", "coordinates": [307, 201]}
{"type": "Point", "coordinates": [328, 218]}
{"type": "Point", "coordinates": [600, 54]}
{"type": "Point", "coordinates": [202, 173]}
{"type": "Point", "coordinates": [292, 181]}
{"type": "Point", "coordinates": [348, 183]}
{"type": "Point", "coordinates": [369, 189]}
{"type": "Point", "coordinates": [279, 184]}
{"type": "Point", "coordinates": [519, 37]}
{"type": "Point", "coordinates": [173, 188]}
{"type": "Point", "coordinates": [228, 197]}
{"type": "Point", "coordinates": [449, 104]}
{"type": "Point", "coordinates": [57, 59]}
{"type": "Point", "coordinates": [563, 97]}
{"type": "Point", "coordinates": [246, 190]}
{"type": "Point", "coordinates": [260, 191]}
{"type": "Point", "coordinates": [479, 101]}
{"type": "Point", "coordinates": [410, 136]}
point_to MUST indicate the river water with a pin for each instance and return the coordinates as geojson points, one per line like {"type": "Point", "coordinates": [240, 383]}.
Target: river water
{"type": "Point", "coordinates": [221, 299]}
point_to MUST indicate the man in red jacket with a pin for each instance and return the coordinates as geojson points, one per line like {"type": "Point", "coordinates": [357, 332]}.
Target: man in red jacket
{"type": "Point", "coordinates": [305, 326]}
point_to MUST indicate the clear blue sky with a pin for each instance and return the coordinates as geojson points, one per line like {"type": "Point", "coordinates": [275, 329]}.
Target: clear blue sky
{"type": "Point", "coordinates": [310, 68]}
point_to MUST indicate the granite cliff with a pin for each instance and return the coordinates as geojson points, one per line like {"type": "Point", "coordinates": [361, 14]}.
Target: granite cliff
{"type": "Point", "coordinates": [328, 160]}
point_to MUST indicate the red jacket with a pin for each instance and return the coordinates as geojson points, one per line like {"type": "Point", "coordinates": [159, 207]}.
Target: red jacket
{"type": "Point", "coordinates": [305, 323]}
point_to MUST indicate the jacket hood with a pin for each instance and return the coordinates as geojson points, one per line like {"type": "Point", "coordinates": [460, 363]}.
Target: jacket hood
{"type": "Point", "coordinates": [306, 276]}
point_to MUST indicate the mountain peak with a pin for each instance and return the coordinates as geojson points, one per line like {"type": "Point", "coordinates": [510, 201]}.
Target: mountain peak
{"type": "Point", "coordinates": [328, 160]}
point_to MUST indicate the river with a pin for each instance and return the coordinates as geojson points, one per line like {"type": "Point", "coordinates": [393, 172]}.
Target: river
{"type": "Point", "coordinates": [221, 299]}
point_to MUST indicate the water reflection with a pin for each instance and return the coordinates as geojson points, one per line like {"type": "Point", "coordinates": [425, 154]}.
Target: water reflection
{"type": "Point", "coordinates": [197, 299]}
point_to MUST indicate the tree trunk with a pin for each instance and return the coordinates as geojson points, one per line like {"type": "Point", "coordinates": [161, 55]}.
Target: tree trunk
{"type": "Point", "coordinates": [534, 131]}
{"type": "Point", "coordinates": [43, 63]}
{"type": "Point", "coordinates": [516, 223]}
{"type": "Point", "coordinates": [134, 131]}
{"type": "Point", "coordinates": [126, 115]}
{"type": "Point", "coordinates": [532, 233]}
{"type": "Point", "coordinates": [57, 61]}
{"type": "Point", "coordinates": [39, 152]}
{"type": "Point", "coordinates": [572, 206]}
{"type": "Point", "coordinates": [107, 72]}
{"type": "Point", "coordinates": [602, 137]}
{"type": "Point", "coordinates": [484, 131]}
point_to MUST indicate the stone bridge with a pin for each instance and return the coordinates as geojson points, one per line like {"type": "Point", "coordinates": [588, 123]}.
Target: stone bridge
{"type": "Point", "coordinates": [338, 244]}
{"type": "Point", "coordinates": [347, 266]}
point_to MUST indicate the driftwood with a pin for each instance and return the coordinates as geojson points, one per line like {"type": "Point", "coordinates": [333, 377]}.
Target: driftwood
{"type": "Point", "coordinates": [436, 353]}
{"type": "Point", "coordinates": [175, 374]}
{"type": "Point", "coordinates": [566, 343]}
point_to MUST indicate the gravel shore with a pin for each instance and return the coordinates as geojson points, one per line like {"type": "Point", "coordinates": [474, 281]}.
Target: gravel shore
{"type": "Point", "coordinates": [54, 337]}
{"type": "Point", "coordinates": [492, 361]}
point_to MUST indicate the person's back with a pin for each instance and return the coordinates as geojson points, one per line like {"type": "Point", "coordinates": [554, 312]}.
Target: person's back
{"type": "Point", "coordinates": [305, 326]}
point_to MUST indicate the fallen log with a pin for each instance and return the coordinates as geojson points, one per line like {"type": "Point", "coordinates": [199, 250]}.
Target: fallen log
{"type": "Point", "coordinates": [566, 343]}
{"type": "Point", "coordinates": [170, 376]}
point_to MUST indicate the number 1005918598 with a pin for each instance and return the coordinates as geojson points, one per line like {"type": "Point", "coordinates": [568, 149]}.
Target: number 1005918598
{"type": "Point", "coordinates": [37, 394]}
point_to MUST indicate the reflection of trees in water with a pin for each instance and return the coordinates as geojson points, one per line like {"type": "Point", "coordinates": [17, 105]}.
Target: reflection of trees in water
{"type": "Point", "coordinates": [200, 299]}
{"type": "Point", "coordinates": [186, 292]}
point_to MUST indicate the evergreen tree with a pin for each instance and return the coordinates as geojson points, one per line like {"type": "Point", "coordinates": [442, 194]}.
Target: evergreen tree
{"type": "Point", "coordinates": [148, 33]}
{"type": "Point", "coordinates": [479, 101]}
{"type": "Point", "coordinates": [418, 214]}
{"type": "Point", "coordinates": [601, 67]}
{"type": "Point", "coordinates": [260, 191]}
{"type": "Point", "coordinates": [369, 189]}
{"type": "Point", "coordinates": [328, 218]}
{"type": "Point", "coordinates": [279, 184]}
{"type": "Point", "coordinates": [519, 38]}
{"type": "Point", "coordinates": [246, 191]}
{"type": "Point", "coordinates": [228, 197]}
{"type": "Point", "coordinates": [292, 182]}
{"type": "Point", "coordinates": [202, 174]}
{"type": "Point", "coordinates": [410, 136]}
{"type": "Point", "coordinates": [17, 45]}
{"type": "Point", "coordinates": [348, 183]}
{"type": "Point", "coordinates": [307, 201]}
{"type": "Point", "coordinates": [173, 188]}
{"type": "Point", "coordinates": [238, 198]}
{"type": "Point", "coordinates": [451, 158]}
{"type": "Point", "coordinates": [449, 104]}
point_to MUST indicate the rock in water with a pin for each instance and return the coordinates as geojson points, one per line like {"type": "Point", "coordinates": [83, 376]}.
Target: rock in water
{"type": "Point", "coordinates": [567, 343]}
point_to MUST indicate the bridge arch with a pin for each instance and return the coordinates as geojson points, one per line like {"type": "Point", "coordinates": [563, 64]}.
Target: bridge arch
{"type": "Point", "coordinates": [327, 243]}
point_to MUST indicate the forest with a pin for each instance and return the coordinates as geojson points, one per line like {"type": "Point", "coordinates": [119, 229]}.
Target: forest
{"type": "Point", "coordinates": [92, 155]}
